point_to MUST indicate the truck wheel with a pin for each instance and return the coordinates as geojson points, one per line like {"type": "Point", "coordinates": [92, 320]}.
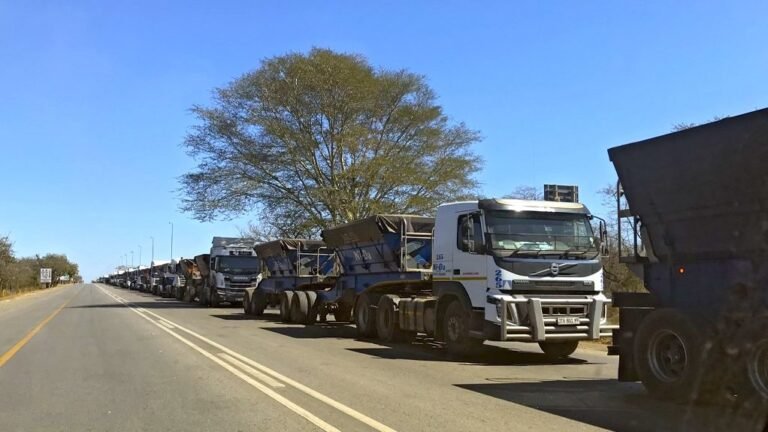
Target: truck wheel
{"type": "Point", "coordinates": [312, 306]}
{"type": "Point", "coordinates": [179, 293]}
{"type": "Point", "coordinates": [203, 299]}
{"type": "Point", "coordinates": [286, 298]}
{"type": "Point", "coordinates": [213, 301]}
{"type": "Point", "coordinates": [757, 361]}
{"type": "Point", "coordinates": [299, 307]}
{"type": "Point", "coordinates": [247, 305]}
{"type": "Point", "coordinates": [365, 316]}
{"type": "Point", "coordinates": [387, 320]}
{"type": "Point", "coordinates": [259, 302]}
{"type": "Point", "coordinates": [558, 350]}
{"type": "Point", "coordinates": [456, 330]}
{"type": "Point", "coordinates": [668, 355]}
{"type": "Point", "coordinates": [343, 313]}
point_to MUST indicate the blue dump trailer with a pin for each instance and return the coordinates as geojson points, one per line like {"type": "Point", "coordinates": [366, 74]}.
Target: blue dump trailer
{"type": "Point", "coordinates": [369, 252]}
{"type": "Point", "coordinates": [288, 265]}
{"type": "Point", "coordinates": [694, 228]}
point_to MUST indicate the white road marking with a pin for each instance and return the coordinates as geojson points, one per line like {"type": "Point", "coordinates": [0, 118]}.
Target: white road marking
{"type": "Point", "coordinates": [166, 324]}
{"type": "Point", "coordinates": [267, 379]}
{"type": "Point", "coordinates": [261, 387]}
{"type": "Point", "coordinates": [315, 394]}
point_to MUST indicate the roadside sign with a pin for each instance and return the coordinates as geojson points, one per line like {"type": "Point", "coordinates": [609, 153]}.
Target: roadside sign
{"type": "Point", "coordinates": [45, 275]}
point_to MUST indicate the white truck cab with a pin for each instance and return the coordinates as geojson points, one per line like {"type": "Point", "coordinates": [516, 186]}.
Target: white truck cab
{"type": "Point", "coordinates": [529, 270]}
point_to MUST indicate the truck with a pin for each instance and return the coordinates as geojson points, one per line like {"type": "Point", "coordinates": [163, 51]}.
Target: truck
{"type": "Point", "coordinates": [692, 210]}
{"type": "Point", "coordinates": [168, 278]}
{"type": "Point", "coordinates": [491, 269]}
{"type": "Point", "coordinates": [289, 264]}
{"type": "Point", "coordinates": [157, 268]}
{"type": "Point", "coordinates": [230, 268]}
{"type": "Point", "coordinates": [178, 280]}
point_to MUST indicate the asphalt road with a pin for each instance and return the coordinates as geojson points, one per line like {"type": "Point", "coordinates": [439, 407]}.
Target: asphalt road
{"type": "Point", "coordinates": [93, 357]}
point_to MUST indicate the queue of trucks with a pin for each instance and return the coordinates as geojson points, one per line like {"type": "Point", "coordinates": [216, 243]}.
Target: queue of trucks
{"type": "Point", "coordinates": [692, 210]}
{"type": "Point", "coordinates": [492, 269]}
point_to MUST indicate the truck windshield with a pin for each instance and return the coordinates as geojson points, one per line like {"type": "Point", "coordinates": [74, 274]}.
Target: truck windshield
{"type": "Point", "coordinates": [238, 264]}
{"type": "Point", "coordinates": [539, 234]}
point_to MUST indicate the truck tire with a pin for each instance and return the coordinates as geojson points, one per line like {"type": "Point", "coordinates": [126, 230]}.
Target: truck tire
{"type": "Point", "coordinates": [365, 316]}
{"type": "Point", "coordinates": [456, 330]}
{"type": "Point", "coordinates": [213, 301]}
{"type": "Point", "coordinates": [558, 350]}
{"type": "Point", "coordinates": [179, 293]}
{"type": "Point", "coordinates": [204, 294]}
{"type": "Point", "coordinates": [286, 298]}
{"type": "Point", "coordinates": [757, 360]}
{"type": "Point", "coordinates": [668, 355]}
{"type": "Point", "coordinates": [247, 305]}
{"type": "Point", "coordinates": [388, 323]}
{"type": "Point", "coordinates": [259, 302]}
{"type": "Point", "coordinates": [343, 313]}
{"type": "Point", "coordinates": [299, 307]}
{"type": "Point", "coordinates": [312, 310]}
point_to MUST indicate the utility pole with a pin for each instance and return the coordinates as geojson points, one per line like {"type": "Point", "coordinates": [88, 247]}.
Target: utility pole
{"type": "Point", "coordinates": [153, 250]}
{"type": "Point", "coordinates": [131, 259]}
{"type": "Point", "coordinates": [171, 240]}
{"type": "Point", "coordinates": [139, 256]}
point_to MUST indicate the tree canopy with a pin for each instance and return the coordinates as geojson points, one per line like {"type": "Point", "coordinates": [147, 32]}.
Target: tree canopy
{"type": "Point", "coordinates": [17, 273]}
{"type": "Point", "coordinates": [313, 140]}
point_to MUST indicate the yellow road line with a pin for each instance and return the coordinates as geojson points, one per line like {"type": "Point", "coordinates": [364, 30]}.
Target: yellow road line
{"type": "Point", "coordinates": [20, 344]}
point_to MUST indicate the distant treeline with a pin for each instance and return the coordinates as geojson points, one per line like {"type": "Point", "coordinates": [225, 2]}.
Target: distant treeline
{"type": "Point", "coordinates": [21, 274]}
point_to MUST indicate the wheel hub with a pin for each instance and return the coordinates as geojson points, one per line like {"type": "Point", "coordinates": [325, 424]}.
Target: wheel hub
{"type": "Point", "coordinates": [453, 328]}
{"type": "Point", "coordinates": [667, 356]}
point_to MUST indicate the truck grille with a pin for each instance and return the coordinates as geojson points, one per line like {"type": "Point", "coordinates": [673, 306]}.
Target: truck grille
{"type": "Point", "coordinates": [239, 285]}
{"type": "Point", "coordinates": [564, 310]}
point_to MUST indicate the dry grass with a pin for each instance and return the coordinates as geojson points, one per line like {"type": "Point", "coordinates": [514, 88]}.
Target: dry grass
{"type": "Point", "coordinates": [7, 294]}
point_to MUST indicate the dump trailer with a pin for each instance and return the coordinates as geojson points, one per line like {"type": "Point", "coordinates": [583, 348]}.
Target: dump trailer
{"type": "Point", "coordinates": [289, 265]}
{"type": "Point", "coordinates": [193, 280]}
{"type": "Point", "coordinates": [232, 267]}
{"type": "Point", "coordinates": [493, 269]}
{"type": "Point", "coordinates": [202, 262]}
{"type": "Point", "coordinates": [696, 205]}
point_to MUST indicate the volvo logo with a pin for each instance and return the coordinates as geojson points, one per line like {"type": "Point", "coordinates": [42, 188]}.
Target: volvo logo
{"type": "Point", "coordinates": [554, 268]}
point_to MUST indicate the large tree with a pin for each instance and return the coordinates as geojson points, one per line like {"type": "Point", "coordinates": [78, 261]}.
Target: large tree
{"type": "Point", "coordinates": [317, 139]}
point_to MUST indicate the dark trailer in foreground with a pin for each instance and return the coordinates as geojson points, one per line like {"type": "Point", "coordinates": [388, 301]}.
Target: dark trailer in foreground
{"type": "Point", "coordinates": [697, 208]}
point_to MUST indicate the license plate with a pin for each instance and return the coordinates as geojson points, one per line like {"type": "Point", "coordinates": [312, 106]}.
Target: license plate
{"type": "Point", "coordinates": [567, 321]}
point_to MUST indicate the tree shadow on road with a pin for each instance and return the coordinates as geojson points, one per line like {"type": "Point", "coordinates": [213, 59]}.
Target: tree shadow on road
{"type": "Point", "coordinates": [616, 406]}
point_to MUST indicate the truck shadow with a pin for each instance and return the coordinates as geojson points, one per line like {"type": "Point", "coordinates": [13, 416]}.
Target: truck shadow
{"type": "Point", "coordinates": [332, 330]}
{"type": "Point", "coordinates": [422, 349]}
{"type": "Point", "coordinates": [616, 406]}
{"type": "Point", "coordinates": [486, 355]}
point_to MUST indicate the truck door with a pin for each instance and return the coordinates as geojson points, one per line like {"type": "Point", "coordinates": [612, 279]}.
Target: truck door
{"type": "Point", "coordinates": [469, 262]}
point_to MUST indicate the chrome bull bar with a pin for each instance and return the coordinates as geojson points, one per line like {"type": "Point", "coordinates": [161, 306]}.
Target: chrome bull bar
{"type": "Point", "coordinates": [545, 328]}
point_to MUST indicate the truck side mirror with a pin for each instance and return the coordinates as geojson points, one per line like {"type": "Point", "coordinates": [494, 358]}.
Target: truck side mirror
{"type": "Point", "coordinates": [604, 250]}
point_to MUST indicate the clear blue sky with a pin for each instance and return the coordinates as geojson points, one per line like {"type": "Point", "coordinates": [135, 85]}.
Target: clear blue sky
{"type": "Point", "coordinates": [94, 96]}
